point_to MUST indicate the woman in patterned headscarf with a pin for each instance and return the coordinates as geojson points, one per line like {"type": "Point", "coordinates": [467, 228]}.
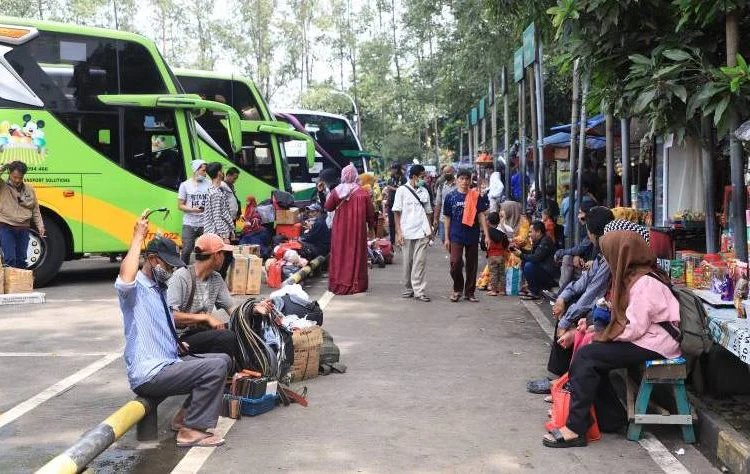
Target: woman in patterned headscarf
{"type": "Point", "coordinates": [354, 213]}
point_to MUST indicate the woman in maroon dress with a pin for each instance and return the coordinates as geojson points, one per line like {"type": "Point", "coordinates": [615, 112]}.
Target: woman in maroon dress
{"type": "Point", "coordinates": [347, 272]}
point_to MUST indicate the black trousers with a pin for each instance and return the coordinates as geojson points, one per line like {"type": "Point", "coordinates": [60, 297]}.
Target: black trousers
{"type": "Point", "coordinates": [391, 227]}
{"type": "Point", "coordinates": [559, 357]}
{"type": "Point", "coordinates": [590, 384]}
{"type": "Point", "coordinates": [212, 341]}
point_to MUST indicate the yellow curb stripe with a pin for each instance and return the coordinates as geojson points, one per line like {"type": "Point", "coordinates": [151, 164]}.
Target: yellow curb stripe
{"type": "Point", "coordinates": [62, 464]}
{"type": "Point", "coordinates": [124, 418]}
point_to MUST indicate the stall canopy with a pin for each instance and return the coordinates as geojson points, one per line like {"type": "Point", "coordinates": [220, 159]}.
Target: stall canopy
{"type": "Point", "coordinates": [562, 140]}
{"type": "Point", "coordinates": [594, 125]}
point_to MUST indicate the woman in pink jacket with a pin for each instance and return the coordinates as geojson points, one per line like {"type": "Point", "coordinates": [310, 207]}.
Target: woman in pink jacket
{"type": "Point", "coordinates": [640, 304]}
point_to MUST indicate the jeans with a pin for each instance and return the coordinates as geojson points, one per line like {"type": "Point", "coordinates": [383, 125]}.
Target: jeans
{"type": "Point", "coordinates": [189, 236]}
{"type": "Point", "coordinates": [469, 286]}
{"type": "Point", "coordinates": [537, 278]}
{"type": "Point", "coordinates": [14, 241]}
{"type": "Point", "coordinates": [441, 231]}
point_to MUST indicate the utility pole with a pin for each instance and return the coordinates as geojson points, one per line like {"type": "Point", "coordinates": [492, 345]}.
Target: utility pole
{"type": "Point", "coordinates": [581, 154]}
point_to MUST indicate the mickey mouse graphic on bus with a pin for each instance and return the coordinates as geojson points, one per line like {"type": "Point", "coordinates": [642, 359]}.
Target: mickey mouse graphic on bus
{"type": "Point", "coordinates": [24, 142]}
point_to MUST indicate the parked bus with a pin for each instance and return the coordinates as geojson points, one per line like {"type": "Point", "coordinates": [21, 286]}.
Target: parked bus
{"type": "Point", "coordinates": [338, 143]}
{"type": "Point", "coordinates": [99, 118]}
{"type": "Point", "coordinates": [242, 95]}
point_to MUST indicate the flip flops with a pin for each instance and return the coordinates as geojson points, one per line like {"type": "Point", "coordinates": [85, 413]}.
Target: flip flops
{"type": "Point", "coordinates": [529, 297]}
{"type": "Point", "coordinates": [561, 442]}
{"type": "Point", "coordinates": [455, 297]}
{"type": "Point", "coordinates": [472, 299]}
{"type": "Point", "coordinates": [208, 441]}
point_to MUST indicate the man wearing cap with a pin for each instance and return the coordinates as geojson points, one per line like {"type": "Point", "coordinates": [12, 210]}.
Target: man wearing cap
{"type": "Point", "coordinates": [572, 260]}
{"type": "Point", "coordinates": [577, 300]}
{"type": "Point", "coordinates": [316, 240]}
{"type": "Point", "coordinates": [195, 292]}
{"type": "Point", "coordinates": [191, 200]}
{"type": "Point", "coordinates": [152, 349]}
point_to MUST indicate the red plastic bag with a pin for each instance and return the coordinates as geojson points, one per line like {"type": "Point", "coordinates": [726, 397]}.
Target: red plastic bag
{"type": "Point", "coordinates": [274, 275]}
{"type": "Point", "coordinates": [284, 246]}
{"type": "Point", "coordinates": [386, 249]}
{"type": "Point", "coordinates": [561, 406]}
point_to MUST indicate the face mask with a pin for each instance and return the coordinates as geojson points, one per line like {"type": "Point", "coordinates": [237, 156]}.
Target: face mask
{"type": "Point", "coordinates": [420, 183]}
{"type": "Point", "coordinates": [200, 178]}
{"type": "Point", "coordinates": [160, 274]}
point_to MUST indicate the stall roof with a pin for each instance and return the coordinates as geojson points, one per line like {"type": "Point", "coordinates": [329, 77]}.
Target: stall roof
{"type": "Point", "coordinates": [595, 124]}
{"type": "Point", "coordinates": [562, 140]}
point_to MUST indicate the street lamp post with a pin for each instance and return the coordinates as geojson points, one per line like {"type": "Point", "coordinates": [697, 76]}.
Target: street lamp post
{"type": "Point", "coordinates": [357, 125]}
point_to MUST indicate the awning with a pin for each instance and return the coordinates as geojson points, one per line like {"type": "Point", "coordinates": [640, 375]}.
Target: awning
{"type": "Point", "coordinates": [562, 140]}
{"type": "Point", "coordinates": [594, 125]}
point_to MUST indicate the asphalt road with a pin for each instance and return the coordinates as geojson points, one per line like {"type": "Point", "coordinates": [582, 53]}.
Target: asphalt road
{"type": "Point", "coordinates": [431, 387]}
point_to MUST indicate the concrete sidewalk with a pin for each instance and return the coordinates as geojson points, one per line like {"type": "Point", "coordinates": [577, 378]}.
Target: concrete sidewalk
{"type": "Point", "coordinates": [431, 387]}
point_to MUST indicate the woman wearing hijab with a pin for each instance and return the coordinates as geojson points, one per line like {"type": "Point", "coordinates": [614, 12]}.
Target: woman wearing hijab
{"type": "Point", "coordinates": [515, 224]}
{"type": "Point", "coordinates": [354, 213]}
{"type": "Point", "coordinates": [640, 304]}
{"type": "Point", "coordinates": [253, 232]}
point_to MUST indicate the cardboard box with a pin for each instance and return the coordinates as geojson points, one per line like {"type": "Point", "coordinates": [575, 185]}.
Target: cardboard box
{"type": "Point", "coordinates": [16, 280]}
{"type": "Point", "coordinates": [237, 275]}
{"type": "Point", "coordinates": [255, 271]}
{"type": "Point", "coordinates": [247, 249]}
{"type": "Point", "coordinates": [287, 216]}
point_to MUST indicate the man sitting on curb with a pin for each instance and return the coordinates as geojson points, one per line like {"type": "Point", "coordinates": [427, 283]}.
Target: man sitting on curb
{"type": "Point", "coordinates": [194, 291]}
{"type": "Point", "coordinates": [151, 344]}
{"type": "Point", "coordinates": [576, 301]}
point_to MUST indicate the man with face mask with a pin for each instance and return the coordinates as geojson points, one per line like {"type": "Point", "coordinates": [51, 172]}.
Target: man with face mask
{"type": "Point", "coordinates": [413, 214]}
{"type": "Point", "coordinates": [397, 179]}
{"type": "Point", "coordinates": [152, 349]}
{"type": "Point", "coordinates": [196, 291]}
{"type": "Point", "coordinates": [191, 200]}
{"type": "Point", "coordinates": [448, 185]}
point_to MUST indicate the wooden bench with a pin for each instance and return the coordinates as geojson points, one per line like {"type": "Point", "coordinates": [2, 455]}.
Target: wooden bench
{"type": "Point", "coordinates": [668, 372]}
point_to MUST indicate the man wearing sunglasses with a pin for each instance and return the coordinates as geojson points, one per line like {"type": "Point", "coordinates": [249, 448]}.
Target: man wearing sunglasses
{"type": "Point", "coordinates": [152, 349]}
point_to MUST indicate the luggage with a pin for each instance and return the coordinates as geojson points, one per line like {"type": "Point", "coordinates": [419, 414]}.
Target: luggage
{"type": "Point", "coordinates": [282, 199]}
{"type": "Point", "coordinates": [329, 352]}
{"type": "Point", "coordinates": [386, 249]}
{"type": "Point", "coordinates": [310, 310]}
{"type": "Point", "coordinates": [275, 275]}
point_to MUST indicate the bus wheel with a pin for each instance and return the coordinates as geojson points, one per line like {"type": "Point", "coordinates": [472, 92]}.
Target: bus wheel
{"type": "Point", "coordinates": [45, 256]}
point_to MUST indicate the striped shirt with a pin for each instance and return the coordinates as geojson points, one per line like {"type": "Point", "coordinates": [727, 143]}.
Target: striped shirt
{"type": "Point", "coordinates": [217, 217]}
{"type": "Point", "coordinates": [149, 343]}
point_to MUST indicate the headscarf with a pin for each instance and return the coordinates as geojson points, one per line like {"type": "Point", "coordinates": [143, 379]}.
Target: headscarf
{"type": "Point", "coordinates": [622, 224]}
{"type": "Point", "coordinates": [367, 179]}
{"type": "Point", "coordinates": [512, 211]}
{"type": "Point", "coordinates": [348, 182]}
{"type": "Point", "coordinates": [252, 218]}
{"type": "Point", "coordinates": [629, 258]}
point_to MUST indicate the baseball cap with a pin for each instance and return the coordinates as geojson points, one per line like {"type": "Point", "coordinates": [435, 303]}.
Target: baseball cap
{"type": "Point", "coordinates": [166, 250]}
{"type": "Point", "coordinates": [211, 243]}
{"type": "Point", "coordinates": [314, 207]}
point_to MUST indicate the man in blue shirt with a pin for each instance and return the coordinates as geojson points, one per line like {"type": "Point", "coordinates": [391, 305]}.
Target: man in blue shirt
{"type": "Point", "coordinates": [463, 239]}
{"type": "Point", "coordinates": [152, 348]}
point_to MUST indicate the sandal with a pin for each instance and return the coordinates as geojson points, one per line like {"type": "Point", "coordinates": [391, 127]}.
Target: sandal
{"type": "Point", "coordinates": [492, 293]}
{"type": "Point", "coordinates": [455, 297]}
{"type": "Point", "coordinates": [424, 298]}
{"type": "Point", "coordinates": [209, 441]}
{"type": "Point", "coordinates": [407, 294]}
{"type": "Point", "coordinates": [561, 442]}
{"type": "Point", "coordinates": [548, 399]}
{"type": "Point", "coordinates": [472, 299]}
{"type": "Point", "coordinates": [540, 386]}
{"type": "Point", "coordinates": [529, 297]}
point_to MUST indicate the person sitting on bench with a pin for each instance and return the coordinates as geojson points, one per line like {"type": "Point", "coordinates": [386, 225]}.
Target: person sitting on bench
{"type": "Point", "coordinates": [152, 349]}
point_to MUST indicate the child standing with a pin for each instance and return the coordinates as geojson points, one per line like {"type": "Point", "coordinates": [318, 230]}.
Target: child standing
{"type": "Point", "coordinates": [496, 254]}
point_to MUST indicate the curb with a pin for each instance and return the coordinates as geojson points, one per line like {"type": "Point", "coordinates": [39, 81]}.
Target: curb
{"type": "Point", "coordinates": [305, 271]}
{"type": "Point", "coordinates": [719, 441]}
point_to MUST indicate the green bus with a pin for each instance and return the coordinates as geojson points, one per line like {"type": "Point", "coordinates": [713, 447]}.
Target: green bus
{"type": "Point", "coordinates": [259, 127]}
{"type": "Point", "coordinates": [106, 132]}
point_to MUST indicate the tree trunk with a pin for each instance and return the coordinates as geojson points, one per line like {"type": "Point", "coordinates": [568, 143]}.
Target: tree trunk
{"type": "Point", "coordinates": [609, 124]}
{"type": "Point", "coordinates": [506, 132]}
{"type": "Point", "coordinates": [736, 158]}
{"type": "Point", "coordinates": [399, 92]}
{"type": "Point", "coordinates": [625, 158]}
{"type": "Point", "coordinates": [581, 154]}
{"type": "Point", "coordinates": [570, 220]}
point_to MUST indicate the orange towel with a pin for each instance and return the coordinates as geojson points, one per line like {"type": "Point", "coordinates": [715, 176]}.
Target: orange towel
{"type": "Point", "coordinates": [470, 207]}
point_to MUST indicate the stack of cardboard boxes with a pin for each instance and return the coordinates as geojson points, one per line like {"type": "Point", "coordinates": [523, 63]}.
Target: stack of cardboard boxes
{"type": "Point", "coordinates": [244, 275]}
{"type": "Point", "coordinates": [15, 280]}
{"type": "Point", "coordinates": [288, 222]}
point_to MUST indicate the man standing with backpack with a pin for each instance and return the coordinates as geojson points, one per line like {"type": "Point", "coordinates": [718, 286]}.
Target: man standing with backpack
{"type": "Point", "coordinates": [412, 215]}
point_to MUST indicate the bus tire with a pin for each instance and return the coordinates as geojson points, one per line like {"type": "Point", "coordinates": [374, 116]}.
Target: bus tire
{"type": "Point", "coordinates": [54, 253]}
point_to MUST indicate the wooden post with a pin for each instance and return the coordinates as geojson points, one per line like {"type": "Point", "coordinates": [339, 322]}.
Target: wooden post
{"type": "Point", "coordinates": [625, 156]}
{"type": "Point", "coordinates": [571, 218]}
{"type": "Point", "coordinates": [609, 124]}
{"type": "Point", "coordinates": [581, 155]}
{"type": "Point", "coordinates": [534, 136]}
{"type": "Point", "coordinates": [522, 142]}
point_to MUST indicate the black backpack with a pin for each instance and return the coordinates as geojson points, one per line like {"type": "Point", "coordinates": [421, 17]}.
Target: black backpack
{"type": "Point", "coordinates": [309, 310]}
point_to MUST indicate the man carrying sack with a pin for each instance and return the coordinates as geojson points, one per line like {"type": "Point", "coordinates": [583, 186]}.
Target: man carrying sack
{"type": "Point", "coordinates": [412, 214]}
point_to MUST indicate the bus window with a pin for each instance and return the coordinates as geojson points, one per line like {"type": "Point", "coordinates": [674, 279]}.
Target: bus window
{"type": "Point", "coordinates": [138, 72]}
{"type": "Point", "coordinates": [256, 158]}
{"type": "Point", "coordinates": [152, 150]}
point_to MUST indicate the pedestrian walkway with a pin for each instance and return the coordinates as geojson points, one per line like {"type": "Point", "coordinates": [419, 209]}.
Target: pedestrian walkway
{"type": "Point", "coordinates": [436, 386]}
